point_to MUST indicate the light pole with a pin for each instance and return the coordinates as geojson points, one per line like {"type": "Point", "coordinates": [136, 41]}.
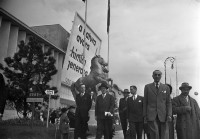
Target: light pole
{"type": "Point", "coordinates": [171, 59]}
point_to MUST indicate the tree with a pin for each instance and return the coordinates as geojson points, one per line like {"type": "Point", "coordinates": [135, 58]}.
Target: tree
{"type": "Point", "coordinates": [29, 61]}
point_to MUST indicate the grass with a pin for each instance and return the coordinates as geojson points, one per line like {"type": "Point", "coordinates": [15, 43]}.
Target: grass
{"type": "Point", "coordinates": [22, 129]}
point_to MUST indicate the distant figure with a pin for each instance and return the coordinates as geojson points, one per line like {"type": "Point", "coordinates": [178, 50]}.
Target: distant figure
{"type": "Point", "coordinates": [71, 116]}
{"type": "Point", "coordinates": [135, 113]}
{"type": "Point", "coordinates": [188, 114]}
{"type": "Point", "coordinates": [104, 110]}
{"type": "Point", "coordinates": [157, 107]}
{"type": "Point", "coordinates": [53, 116]}
{"type": "Point", "coordinates": [2, 95]}
{"type": "Point", "coordinates": [44, 111]}
{"type": "Point", "coordinates": [123, 111]}
{"type": "Point", "coordinates": [83, 103]}
{"type": "Point", "coordinates": [64, 124]}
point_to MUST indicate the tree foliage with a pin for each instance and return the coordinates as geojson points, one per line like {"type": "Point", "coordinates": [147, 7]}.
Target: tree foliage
{"type": "Point", "coordinates": [28, 61]}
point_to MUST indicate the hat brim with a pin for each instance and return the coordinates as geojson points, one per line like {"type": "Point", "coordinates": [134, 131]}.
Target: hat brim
{"type": "Point", "coordinates": [190, 87]}
{"type": "Point", "coordinates": [103, 86]}
{"type": "Point", "coordinates": [126, 92]}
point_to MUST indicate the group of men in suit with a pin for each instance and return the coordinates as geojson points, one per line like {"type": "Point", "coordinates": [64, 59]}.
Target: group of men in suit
{"type": "Point", "coordinates": [104, 109]}
{"type": "Point", "coordinates": [155, 111]}
{"type": "Point", "coordinates": [131, 113]}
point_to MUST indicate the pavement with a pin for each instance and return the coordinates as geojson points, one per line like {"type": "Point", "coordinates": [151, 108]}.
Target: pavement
{"type": "Point", "coordinates": [118, 135]}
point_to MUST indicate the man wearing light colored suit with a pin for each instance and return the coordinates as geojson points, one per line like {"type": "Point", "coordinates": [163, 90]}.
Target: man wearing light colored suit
{"type": "Point", "coordinates": [157, 107]}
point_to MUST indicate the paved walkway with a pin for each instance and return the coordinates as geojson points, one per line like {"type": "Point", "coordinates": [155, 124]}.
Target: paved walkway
{"type": "Point", "coordinates": [118, 135]}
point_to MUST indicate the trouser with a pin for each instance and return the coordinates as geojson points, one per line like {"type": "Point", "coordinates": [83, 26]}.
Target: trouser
{"type": "Point", "coordinates": [136, 129]}
{"type": "Point", "coordinates": [158, 130]}
{"type": "Point", "coordinates": [81, 127]}
{"type": "Point", "coordinates": [124, 125]}
{"type": "Point", "coordinates": [104, 127]}
{"type": "Point", "coordinates": [64, 136]}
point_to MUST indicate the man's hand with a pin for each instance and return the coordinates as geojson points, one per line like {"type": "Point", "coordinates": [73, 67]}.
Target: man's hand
{"type": "Point", "coordinates": [188, 108]}
{"type": "Point", "coordinates": [169, 118]}
{"type": "Point", "coordinates": [95, 117]}
{"type": "Point", "coordinates": [145, 119]}
{"type": "Point", "coordinates": [127, 124]}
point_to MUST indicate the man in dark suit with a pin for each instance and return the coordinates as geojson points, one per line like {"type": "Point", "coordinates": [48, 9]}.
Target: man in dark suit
{"type": "Point", "coordinates": [123, 111]}
{"type": "Point", "coordinates": [104, 109]}
{"type": "Point", "coordinates": [3, 95]}
{"type": "Point", "coordinates": [135, 113]}
{"type": "Point", "coordinates": [188, 114]}
{"type": "Point", "coordinates": [83, 103]}
{"type": "Point", "coordinates": [157, 107]}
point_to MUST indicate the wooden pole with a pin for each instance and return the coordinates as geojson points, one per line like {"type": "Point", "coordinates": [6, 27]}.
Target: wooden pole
{"type": "Point", "coordinates": [48, 111]}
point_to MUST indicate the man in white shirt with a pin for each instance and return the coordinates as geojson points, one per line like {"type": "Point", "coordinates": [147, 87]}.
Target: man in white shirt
{"type": "Point", "coordinates": [104, 109]}
{"type": "Point", "coordinates": [135, 113]}
{"type": "Point", "coordinates": [157, 107]}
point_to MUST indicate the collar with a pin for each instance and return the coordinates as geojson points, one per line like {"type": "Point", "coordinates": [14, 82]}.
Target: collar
{"type": "Point", "coordinates": [135, 96]}
{"type": "Point", "coordinates": [158, 83]}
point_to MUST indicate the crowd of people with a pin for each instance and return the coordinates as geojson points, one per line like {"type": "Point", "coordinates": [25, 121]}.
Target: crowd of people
{"type": "Point", "coordinates": [153, 114]}
{"type": "Point", "coordinates": [156, 112]}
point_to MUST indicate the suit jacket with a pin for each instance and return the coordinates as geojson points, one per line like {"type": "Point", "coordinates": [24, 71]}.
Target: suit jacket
{"type": "Point", "coordinates": [135, 109]}
{"type": "Point", "coordinates": [103, 105]}
{"type": "Point", "coordinates": [157, 102]}
{"type": "Point", "coordinates": [83, 104]}
{"type": "Point", "coordinates": [64, 124]}
{"type": "Point", "coordinates": [187, 123]}
{"type": "Point", "coordinates": [123, 108]}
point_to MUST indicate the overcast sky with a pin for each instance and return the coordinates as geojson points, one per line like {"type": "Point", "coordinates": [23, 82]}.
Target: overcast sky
{"type": "Point", "coordinates": [143, 33]}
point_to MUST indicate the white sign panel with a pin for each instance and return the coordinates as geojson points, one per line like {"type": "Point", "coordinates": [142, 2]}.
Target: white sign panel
{"type": "Point", "coordinates": [73, 64]}
{"type": "Point", "coordinates": [49, 92]}
{"type": "Point", "coordinates": [34, 99]}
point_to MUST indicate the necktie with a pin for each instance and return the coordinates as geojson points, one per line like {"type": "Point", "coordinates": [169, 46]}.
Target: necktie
{"type": "Point", "coordinates": [156, 85]}
{"type": "Point", "coordinates": [186, 98]}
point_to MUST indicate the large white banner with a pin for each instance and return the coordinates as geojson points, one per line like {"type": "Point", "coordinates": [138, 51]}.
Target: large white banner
{"type": "Point", "coordinates": [73, 64]}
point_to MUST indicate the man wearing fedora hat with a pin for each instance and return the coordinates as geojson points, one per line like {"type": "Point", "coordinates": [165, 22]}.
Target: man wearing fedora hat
{"type": "Point", "coordinates": [123, 110]}
{"type": "Point", "coordinates": [188, 114]}
{"type": "Point", "coordinates": [104, 109]}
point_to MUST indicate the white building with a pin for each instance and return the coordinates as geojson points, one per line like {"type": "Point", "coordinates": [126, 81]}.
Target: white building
{"type": "Point", "coordinates": [12, 31]}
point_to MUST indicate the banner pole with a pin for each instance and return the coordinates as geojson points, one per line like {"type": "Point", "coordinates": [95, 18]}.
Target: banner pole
{"type": "Point", "coordinates": [85, 30]}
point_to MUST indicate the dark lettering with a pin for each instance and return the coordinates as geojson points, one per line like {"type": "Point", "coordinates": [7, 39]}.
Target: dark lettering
{"type": "Point", "coordinates": [80, 28]}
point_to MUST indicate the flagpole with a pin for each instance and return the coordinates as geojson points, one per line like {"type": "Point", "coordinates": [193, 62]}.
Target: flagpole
{"type": "Point", "coordinates": [85, 30]}
{"type": "Point", "coordinates": [108, 30]}
{"type": "Point", "coordinates": [108, 51]}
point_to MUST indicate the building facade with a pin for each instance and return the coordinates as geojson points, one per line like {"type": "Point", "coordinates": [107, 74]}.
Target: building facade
{"type": "Point", "coordinates": [12, 31]}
